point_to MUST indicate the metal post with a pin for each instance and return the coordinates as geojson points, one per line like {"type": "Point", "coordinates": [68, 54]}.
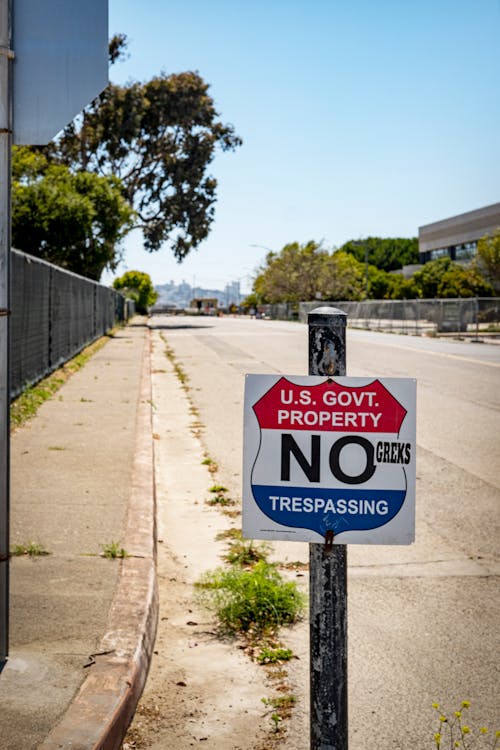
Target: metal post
{"type": "Point", "coordinates": [5, 191]}
{"type": "Point", "coordinates": [328, 571]}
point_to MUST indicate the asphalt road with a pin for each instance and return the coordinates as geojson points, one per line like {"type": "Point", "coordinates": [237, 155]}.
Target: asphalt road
{"type": "Point", "coordinates": [423, 619]}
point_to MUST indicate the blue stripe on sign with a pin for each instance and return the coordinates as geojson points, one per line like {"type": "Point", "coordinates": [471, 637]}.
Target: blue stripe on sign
{"type": "Point", "coordinates": [322, 510]}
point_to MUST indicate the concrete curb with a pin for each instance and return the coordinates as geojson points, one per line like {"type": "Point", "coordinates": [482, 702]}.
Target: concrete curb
{"type": "Point", "coordinates": [98, 717]}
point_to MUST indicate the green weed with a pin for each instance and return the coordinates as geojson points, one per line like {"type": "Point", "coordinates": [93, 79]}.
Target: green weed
{"type": "Point", "coordinates": [217, 488]}
{"type": "Point", "coordinates": [210, 464]}
{"type": "Point", "coordinates": [220, 499]}
{"type": "Point", "coordinates": [245, 552]}
{"type": "Point", "coordinates": [282, 709]}
{"type": "Point", "coordinates": [270, 655]}
{"type": "Point", "coordinates": [113, 550]}
{"type": "Point", "coordinates": [232, 533]}
{"type": "Point", "coordinates": [30, 549]}
{"type": "Point", "coordinates": [254, 600]}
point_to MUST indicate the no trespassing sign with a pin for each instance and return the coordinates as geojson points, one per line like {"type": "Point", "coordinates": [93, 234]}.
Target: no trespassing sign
{"type": "Point", "coordinates": [329, 455]}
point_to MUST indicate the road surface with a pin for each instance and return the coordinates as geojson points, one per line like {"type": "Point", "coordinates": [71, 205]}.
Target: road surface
{"type": "Point", "coordinates": [423, 620]}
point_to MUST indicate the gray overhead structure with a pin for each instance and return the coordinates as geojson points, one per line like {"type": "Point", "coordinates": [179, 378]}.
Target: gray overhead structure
{"type": "Point", "coordinates": [457, 236]}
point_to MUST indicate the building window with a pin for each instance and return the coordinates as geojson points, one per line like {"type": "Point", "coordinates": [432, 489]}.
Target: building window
{"type": "Point", "coordinates": [466, 251]}
{"type": "Point", "coordinates": [440, 252]}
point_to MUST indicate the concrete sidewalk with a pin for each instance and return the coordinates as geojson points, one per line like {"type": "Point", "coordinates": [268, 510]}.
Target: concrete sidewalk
{"type": "Point", "coordinates": [81, 626]}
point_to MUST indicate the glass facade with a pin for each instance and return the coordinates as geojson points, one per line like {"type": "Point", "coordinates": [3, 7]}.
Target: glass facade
{"type": "Point", "coordinates": [440, 252]}
{"type": "Point", "coordinates": [465, 251]}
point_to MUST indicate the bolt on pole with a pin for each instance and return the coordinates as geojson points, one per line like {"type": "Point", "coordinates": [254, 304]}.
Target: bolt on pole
{"type": "Point", "coordinates": [328, 572]}
{"type": "Point", "coordinates": [5, 183]}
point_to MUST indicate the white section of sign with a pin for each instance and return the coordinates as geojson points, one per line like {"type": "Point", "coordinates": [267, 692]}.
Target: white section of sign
{"type": "Point", "coordinates": [60, 65]}
{"type": "Point", "coordinates": [332, 454]}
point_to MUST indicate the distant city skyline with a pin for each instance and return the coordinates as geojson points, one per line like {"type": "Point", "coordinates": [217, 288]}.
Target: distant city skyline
{"type": "Point", "coordinates": [357, 119]}
{"type": "Point", "coordinates": [183, 293]}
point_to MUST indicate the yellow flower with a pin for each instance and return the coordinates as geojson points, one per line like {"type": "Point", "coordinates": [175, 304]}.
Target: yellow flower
{"type": "Point", "coordinates": [483, 730]}
{"type": "Point", "coordinates": [437, 739]}
{"type": "Point", "coordinates": [466, 730]}
{"type": "Point", "coordinates": [442, 719]}
{"type": "Point", "coordinates": [458, 714]}
{"type": "Point", "coordinates": [435, 705]}
{"type": "Point", "coordinates": [456, 743]}
{"type": "Point", "coordinates": [465, 704]}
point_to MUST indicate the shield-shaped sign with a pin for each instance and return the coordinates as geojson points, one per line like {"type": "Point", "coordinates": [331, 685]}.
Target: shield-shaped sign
{"type": "Point", "coordinates": [329, 455]}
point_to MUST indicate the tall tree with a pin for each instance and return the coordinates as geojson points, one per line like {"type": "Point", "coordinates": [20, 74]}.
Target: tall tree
{"type": "Point", "coordinates": [300, 273]}
{"type": "Point", "coordinates": [488, 258]}
{"type": "Point", "coordinates": [159, 138]}
{"type": "Point", "coordinates": [75, 220]}
{"type": "Point", "coordinates": [292, 275]}
{"type": "Point", "coordinates": [343, 278]}
{"type": "Point", "coordinates": [386, 253]}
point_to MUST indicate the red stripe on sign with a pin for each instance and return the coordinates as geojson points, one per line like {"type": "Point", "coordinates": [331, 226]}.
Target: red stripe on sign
{"type": "Point", "coordinates": [329, 406]}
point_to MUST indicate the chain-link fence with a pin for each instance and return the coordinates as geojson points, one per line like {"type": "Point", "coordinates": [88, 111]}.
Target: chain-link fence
{"type": "Point", "coordinates": [418, 316]}
{"type": "Point", "coordinates": [55, 314]}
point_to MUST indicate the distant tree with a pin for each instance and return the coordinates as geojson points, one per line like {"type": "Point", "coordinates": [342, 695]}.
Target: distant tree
{"type": "Point", "coordinates": [386, 253]}
{"type": "Point", "coordinates": [294, 274]}
{"type": "Point", "coordinates": [74, 220]}
{"type": "Point", "coordinates": [138, 286]}
{"type": "Point", "coordinates": [463, 281]}
{"type": "Point", "coordinates": [401, 288]}
{"type": "Point", "coordinates": [444, 278]}
{"type": "Point", "coordinates": [488, 258]}
{"type": "Point", "coordinates": [159, 138]}
{"type": "Point", "coordinates": [251, 301]}
{"type": "Point", "coordinates": [300, 273]}
{"type": "Point", "coordinates": [379, 283]}
{"type": "Point", "coordinates": [343, 278]}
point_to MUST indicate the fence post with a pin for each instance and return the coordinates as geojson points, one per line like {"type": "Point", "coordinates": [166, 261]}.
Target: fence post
{"type": "Point", "coordinates": [328, 572]}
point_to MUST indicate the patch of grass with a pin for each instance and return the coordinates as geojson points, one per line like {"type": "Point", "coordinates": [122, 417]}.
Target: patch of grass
{"type": "Point", "coordinates": [233, 513]}
{"type": "Point", "coordinates": [281, 709]}
{"type": "Point", "coordinates": [221, 500]}
{"type": "Point", "coordinates": [217, 488]}
{"type": "Point", "coordinates": [294, 565]}
{"type": "Point", "coordinates": [269, 655]}
{"type": "Point", "coordinates": [219, 497]}
{"type": "Point", "coordinates": [282, 701]}
{"type": "Point", "coordinates": [30, 549]}
{"type": "Point", "coordinates": [245, 552]}
{"type": "Point", "coordinates": [253, 601]}
{"type": "Point", "coordinates": [179, 372]}
{"type": "Point", "coordinates": [113, 550]}
{"type": "Point", "coordinates": [181, 375]}
{"type": "Point", "coordinates": [25, 406]}
{"type": "Point", "coordinates": [232, 533]}
{"type": "Point", "coordinates": [210, 464]}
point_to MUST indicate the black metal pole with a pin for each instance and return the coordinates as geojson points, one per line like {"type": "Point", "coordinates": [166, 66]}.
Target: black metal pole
{"type": "Point", "coordinates": [328, 572]}
{"type": "Point", "coordinates": [6, 56]}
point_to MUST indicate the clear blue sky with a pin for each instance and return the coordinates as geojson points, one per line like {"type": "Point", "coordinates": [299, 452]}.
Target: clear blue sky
{"type": "Point", "coordinates": [358, 117]}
